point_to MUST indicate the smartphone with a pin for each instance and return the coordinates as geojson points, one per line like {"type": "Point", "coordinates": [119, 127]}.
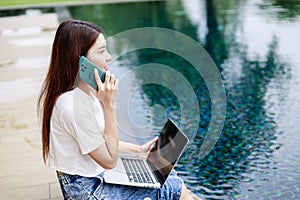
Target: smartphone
{"type": "Point", "coordinates": [86, 72]}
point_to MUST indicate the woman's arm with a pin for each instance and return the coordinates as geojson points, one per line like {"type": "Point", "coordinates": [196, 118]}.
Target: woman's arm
{"type": "Point", "coordinates": [126, 147]}
{"type": "Point", "coordinates": [107, 155]}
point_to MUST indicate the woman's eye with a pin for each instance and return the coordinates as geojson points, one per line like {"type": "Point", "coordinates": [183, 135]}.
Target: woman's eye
{"type": "Point", "coordinates": [101, 51]}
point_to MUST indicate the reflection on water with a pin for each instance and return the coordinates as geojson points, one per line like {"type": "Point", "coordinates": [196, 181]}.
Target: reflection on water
{"type": "Point", "coordinates": [281, 9]}
{"type": "Point", "coordinates": [253, 44]}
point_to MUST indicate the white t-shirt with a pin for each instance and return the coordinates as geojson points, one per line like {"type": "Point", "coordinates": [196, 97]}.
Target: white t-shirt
{"type": "Point", "coordinates": [76, 129]}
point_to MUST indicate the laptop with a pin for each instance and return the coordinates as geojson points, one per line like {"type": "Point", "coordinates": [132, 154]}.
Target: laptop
{"type": "Point", "coordinates": [151, 171]}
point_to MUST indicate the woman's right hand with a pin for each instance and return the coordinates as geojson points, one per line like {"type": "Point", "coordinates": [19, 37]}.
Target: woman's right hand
{"type": "Point", "coordinates": [107, 91]}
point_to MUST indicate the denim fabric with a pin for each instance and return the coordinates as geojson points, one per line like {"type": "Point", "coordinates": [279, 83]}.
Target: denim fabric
{"type": "Point", "coordinates": [94, 188]}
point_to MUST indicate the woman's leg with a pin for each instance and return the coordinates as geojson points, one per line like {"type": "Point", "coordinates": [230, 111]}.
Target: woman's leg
{"type": "Point", "coordinates": [77, 187]}
{"type": "Point", "coordinates": [186, 194]}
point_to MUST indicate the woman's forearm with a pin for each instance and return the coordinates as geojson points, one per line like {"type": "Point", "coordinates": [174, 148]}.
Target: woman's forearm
{"type": "Point", "coordinates": [126, 147]}
{"type": "Point", "coordinates": [107, 154]}
{"type": "Point", "coordinates": [111, 135]}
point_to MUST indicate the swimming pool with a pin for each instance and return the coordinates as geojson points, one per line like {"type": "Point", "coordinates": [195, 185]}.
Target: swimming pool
{"type": "Point", "coordinates": [254, 45]}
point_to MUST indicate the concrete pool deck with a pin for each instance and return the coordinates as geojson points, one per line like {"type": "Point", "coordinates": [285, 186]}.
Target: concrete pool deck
{"type": "Point", "coordinates": [25, 49]}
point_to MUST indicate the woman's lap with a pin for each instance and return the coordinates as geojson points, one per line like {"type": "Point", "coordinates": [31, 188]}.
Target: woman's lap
{"type": "Point", "coordinates": [78, 187]}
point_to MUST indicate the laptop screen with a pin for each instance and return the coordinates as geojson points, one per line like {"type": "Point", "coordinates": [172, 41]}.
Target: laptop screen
{"type": "Point", "coordinates": [167, 150]}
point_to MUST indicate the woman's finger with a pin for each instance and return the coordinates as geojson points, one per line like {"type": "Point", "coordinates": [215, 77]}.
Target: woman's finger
{"type": "Point", "coordinates": [112, 80]}
{"type": "Point", "coordinates": [98, 81]}
{"type": "Point", "coordinates": [150, 144]}
{"type": "Point", "coordinates": [115, 84]}
{"type": "Point", "coordinates": [107, 83]}
{"type": "Point", "coordinates": [107, 77]}
{"type": "Point", "coordinates": [112, 77]}
{"type": "Point", "coordinates": [153, 140]}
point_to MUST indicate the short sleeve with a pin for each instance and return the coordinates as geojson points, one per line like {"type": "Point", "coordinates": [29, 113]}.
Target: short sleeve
{"type": "Point", "coordinates": [80, 119]}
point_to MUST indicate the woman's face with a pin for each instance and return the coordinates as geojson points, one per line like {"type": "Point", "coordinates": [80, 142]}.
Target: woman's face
{"type": "Point", "coordinates": [98, 53]}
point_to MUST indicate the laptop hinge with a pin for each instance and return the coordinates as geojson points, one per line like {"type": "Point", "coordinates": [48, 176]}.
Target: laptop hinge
{"type": "Point", "coordinates": [158, 176]}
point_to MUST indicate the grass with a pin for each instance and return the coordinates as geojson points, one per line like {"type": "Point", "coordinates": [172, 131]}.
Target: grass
{"type": "Point", "coordinates": [30, 2]}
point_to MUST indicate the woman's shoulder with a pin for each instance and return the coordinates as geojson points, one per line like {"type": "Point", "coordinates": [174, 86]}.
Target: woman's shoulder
{"type": "Point", "coordinates": [74, 99]}
{"type": "Point", "coordinates": [65, 98]}
{"type": "Point", "coordinates": [63, 104]}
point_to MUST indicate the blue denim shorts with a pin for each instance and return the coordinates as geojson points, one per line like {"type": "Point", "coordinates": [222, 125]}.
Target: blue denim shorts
{"type": "Point", "coordinates": [94, 188]}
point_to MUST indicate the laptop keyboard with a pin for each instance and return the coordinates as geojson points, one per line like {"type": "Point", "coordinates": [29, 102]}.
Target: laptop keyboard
{"type": "Point", "coordinates": [137, 171]}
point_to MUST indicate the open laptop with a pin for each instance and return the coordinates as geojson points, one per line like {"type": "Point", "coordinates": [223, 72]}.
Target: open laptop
{"type": "Point", "coordinates": [153, 170]}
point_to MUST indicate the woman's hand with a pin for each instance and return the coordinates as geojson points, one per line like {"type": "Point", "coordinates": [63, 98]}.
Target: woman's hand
{"type": "Point", "coordinates": [139, 150]}
{"type": "Point", "coordinates": [107, 91]}
{"type": "Point", "coordinates": [146, 148]}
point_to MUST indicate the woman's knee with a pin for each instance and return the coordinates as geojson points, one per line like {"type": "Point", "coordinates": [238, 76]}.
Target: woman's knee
{"type": "Point", "coordinates": [186, 194]}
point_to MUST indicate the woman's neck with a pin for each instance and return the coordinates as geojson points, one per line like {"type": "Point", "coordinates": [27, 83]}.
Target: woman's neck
{"type": "Point", "coordinates": [86, 88]}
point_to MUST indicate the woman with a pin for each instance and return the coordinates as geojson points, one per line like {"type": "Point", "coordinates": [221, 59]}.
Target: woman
{"type": "Point", "coordinates": [79, 126]}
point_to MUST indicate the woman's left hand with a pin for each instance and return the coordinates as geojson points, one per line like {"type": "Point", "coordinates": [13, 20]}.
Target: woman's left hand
{"type": "Point", "coordinates": [146, 148]}
{"type": "Point", "coordinates": [140, 150]}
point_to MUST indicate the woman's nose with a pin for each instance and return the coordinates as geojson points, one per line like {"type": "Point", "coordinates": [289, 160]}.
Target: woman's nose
{"type": "Point", "coordinates": [108, 57]}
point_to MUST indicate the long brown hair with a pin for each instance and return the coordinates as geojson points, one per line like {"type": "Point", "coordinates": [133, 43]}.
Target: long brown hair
{"type": "Point", "coordinates": [73, 38]}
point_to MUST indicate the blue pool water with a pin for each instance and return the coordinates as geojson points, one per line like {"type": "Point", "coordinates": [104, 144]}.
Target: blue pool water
{"type": "Point", "coordinates": [254, 45]}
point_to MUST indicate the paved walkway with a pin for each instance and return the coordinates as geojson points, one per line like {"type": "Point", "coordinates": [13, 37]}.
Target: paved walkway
{"type": "Point", "coordinates": [25, 48]}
